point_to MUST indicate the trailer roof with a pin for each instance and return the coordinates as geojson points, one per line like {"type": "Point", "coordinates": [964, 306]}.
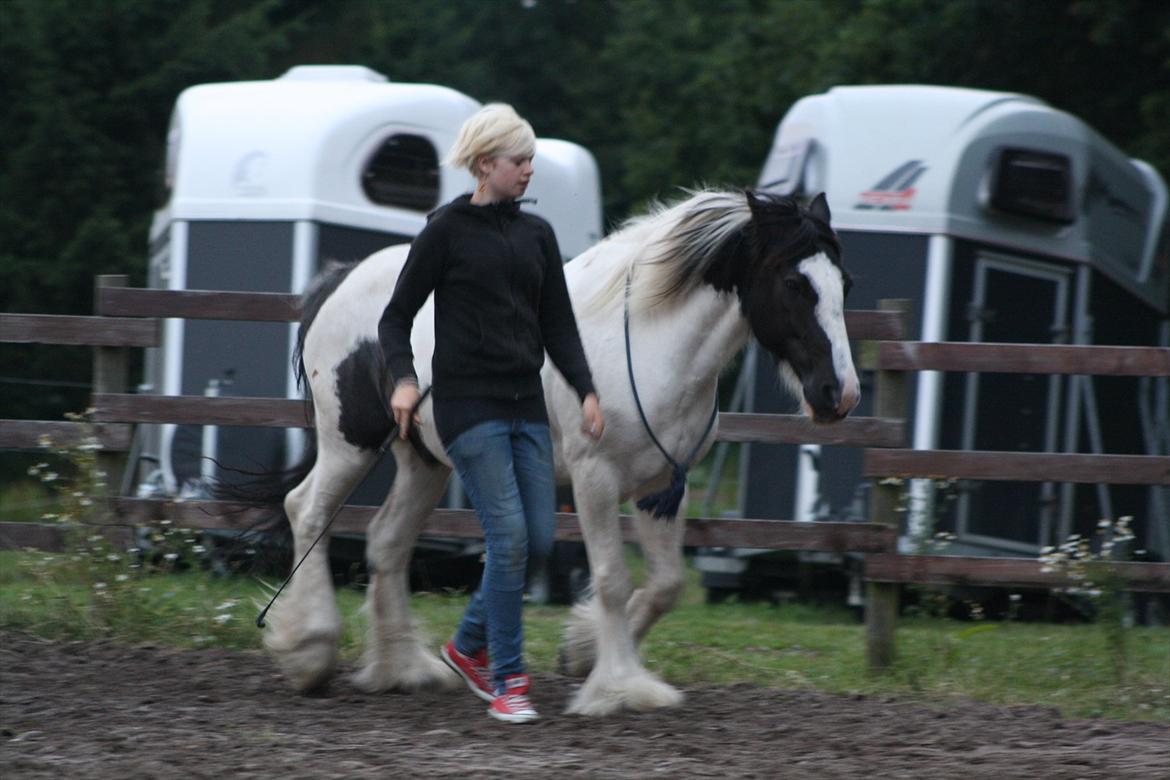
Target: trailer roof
{"type": "Point", "coordinates": [927, 159]}
{"type": "Point", "coordinates": [296, 147]}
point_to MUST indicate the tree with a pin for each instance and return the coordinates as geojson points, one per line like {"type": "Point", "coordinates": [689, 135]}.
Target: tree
{"type": "Point", "coordinates": [1105, 61]}
{"type": "Point", "coordinates": [88, 89]}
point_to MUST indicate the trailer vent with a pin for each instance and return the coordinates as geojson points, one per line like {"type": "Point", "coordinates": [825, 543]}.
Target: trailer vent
{"type": "Point", "coordinates": [1033, 184]}
{"type": "Point", "coordinates": [403, 173]}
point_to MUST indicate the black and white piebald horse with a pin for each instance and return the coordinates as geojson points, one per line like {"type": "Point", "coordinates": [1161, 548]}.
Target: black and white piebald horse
{"type": "Point", "coordinates": [681, 290]}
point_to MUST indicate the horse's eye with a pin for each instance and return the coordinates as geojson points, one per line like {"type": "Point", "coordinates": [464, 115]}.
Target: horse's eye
{"type": "Point", "coordinates": [792, 283]}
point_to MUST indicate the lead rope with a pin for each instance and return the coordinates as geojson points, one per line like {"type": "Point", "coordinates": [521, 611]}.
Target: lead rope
{"type": "Point", "coordinates": [381, 451]}
{"type": "Point", "coordinates": [664, 503]}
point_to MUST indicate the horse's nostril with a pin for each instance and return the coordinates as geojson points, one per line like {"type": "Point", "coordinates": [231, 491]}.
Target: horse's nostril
{"type": "Point", "coordinates": [831, 394]}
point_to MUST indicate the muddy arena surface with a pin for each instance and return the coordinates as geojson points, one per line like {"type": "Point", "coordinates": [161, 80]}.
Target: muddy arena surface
{"type": "Point", "coordinates": [96, 709]}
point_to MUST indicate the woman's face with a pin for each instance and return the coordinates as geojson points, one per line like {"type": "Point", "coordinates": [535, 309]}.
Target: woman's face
{"type": "Point", "coordinates": [506, 176]}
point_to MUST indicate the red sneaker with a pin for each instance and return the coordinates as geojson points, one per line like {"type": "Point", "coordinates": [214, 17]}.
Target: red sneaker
{"type": "Point", "coordinates": [474, 669]}
{"type": "Point", "coordinates": [513, 706]}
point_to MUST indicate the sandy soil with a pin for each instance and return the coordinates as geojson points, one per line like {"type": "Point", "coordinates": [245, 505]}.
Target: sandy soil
{"type": "Point", "coordinates": [98, 709]}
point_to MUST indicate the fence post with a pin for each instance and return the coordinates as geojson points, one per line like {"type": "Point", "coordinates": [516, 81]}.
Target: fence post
{"type": "Point", "coordinates": [881, 598]}
{"type": "Point", "coordinates": [111, 374]}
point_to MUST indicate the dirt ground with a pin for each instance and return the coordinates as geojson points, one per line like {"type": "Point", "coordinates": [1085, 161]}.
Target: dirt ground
{"type": "Point", "coordinates": [96, 709]}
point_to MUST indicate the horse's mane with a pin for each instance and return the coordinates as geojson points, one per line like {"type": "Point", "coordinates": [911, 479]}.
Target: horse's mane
{"type": "Point", "coordinates": [680, 243]}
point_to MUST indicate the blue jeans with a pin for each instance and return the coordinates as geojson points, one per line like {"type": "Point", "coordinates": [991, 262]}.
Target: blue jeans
{"type": "Point", "coordinates": [506, 467]}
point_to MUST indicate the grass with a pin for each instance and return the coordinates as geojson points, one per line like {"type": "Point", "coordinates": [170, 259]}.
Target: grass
{"type": "Point", "coordinates": [26, 501]}
{"type": "Point", "coordinates": [789, 647]}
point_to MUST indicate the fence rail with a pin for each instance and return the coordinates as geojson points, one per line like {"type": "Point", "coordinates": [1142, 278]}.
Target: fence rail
{"type": "Point", "coordinates": [462, 523]}
{"type": "Point", "coordinates": [29, 434]}
{"type": "Point", "coordinates": [198, 304]}
{"type": "Point", "coordinates": [1023, 358]}
{"type": "Point", "coordinates": [1009, 572]}
{"type": "Point", "coordinates": [288, 413]}
{"type": "Point", "coordinates": [62, 329]}
{"type": "Point", "coordinates": [1019, 466]}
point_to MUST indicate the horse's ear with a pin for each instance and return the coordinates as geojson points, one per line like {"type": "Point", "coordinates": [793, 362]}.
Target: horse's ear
{"type": "Point", "coordinates": [754, 200]}
{"type": "Point", "coordinates": [819, 208]}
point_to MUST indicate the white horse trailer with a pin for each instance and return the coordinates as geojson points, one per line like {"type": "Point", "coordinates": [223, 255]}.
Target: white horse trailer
{"type": "Point", "coordinates": [1001, 219]}
{"type": "Point", "coordinates": [266, 181]}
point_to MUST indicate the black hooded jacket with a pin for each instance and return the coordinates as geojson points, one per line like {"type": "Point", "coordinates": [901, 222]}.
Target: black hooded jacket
{"type": "Point", "coordinates": [500, 303]}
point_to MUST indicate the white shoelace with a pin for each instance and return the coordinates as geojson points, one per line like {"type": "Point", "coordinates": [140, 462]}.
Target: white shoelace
{"type": "Point", "coordinates": [518, 702]}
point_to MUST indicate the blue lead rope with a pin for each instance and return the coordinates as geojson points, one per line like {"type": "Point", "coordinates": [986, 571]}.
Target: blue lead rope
{"type": "Point", "coordinates": [664, 503]}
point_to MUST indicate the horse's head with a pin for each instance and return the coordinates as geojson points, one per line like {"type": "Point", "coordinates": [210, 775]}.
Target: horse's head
{"type": "Point", "coordinates": [795, 302]}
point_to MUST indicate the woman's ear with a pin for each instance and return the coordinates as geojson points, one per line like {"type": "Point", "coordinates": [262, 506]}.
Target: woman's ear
{"type": "Point", "coordinates": [483, 165]}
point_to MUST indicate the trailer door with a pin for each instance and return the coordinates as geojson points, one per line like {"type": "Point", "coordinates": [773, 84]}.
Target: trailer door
{"type": "Point", "coordinates": [1019, 301]}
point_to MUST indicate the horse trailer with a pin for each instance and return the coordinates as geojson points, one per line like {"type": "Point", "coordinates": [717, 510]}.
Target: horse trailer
{"type": "Point", "coordinates": [268, 180]}
{"type": "Point", "coordinates": [1001, 219]}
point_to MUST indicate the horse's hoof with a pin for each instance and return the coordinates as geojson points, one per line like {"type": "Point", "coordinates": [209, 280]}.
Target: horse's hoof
{"type": "Point", "coordinates": [370, 679]}
{"type": "Point", "coordinates": [310, 665]}
{"type": "Point", "coordinates": [569, 668]}
{"type": "Point", "coordinates": [421, 675]}
{"type": "Point", "coordinates": [640, 693]}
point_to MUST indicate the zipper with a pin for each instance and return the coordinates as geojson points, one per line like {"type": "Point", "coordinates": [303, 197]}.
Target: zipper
{"type": "Point", "coordinates": [504, 225]}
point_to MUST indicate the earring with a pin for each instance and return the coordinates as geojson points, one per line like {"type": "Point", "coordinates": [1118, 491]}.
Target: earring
{"type": "Point", "coordinates": [482, 186]}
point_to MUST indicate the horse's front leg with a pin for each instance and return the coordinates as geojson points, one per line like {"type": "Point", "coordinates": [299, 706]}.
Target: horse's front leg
{"type": "Point", "coordinates": [304, 624]}
{"type": "Point", "coordinates": [396, 656]}
{"type": "Point", "coordinates": [662, 546]}
{"type": "Point", "coordinates": [617, 680]}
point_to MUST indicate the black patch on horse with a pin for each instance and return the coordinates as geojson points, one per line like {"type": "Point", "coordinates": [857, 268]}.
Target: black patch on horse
{"type": "Point", "coordinates": [365, 419]}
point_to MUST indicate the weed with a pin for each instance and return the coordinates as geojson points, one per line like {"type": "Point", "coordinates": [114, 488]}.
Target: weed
{"type": "Point", "coordinates": [1085, 561]}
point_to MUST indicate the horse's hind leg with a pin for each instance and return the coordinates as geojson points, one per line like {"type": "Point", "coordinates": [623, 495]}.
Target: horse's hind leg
{"type": "Point", "coordinates": [304, 624]}
{"type": "Point", "coordinates": [662, 546]}
{"type": "Point", "coordinates": [395, 655]}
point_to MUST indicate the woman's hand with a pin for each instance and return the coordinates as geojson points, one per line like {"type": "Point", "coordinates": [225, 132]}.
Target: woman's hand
{"type": "Point", "coordinates": [593, 421]}
{"type": "Point", "coordinates": [402, 403]}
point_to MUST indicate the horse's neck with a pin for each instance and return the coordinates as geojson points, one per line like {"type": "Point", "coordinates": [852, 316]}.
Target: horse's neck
{"type": "Point", "coordinates": [691, 340]}
{"type": "Point", "coordinates": [678, 348]}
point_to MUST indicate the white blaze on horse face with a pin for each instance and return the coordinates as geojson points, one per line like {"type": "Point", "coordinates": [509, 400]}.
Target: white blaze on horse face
{"type": "Point", "coordinates": [826, 279]}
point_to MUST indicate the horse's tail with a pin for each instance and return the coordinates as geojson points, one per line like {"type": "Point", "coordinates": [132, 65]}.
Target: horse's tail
{"type": "Point", "coordinates": [320, 288]}
{"type": "Point", "coordinates": [264, 545]}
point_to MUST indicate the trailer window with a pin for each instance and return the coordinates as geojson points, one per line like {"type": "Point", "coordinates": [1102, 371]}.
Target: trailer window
{"type": "Point", "coordinates": [404, 172]}
{"type": "Point", "coordinates": [1033, 184]}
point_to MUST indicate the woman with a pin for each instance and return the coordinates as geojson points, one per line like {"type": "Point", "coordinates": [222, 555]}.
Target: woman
{"type": "Point", "coordinates": [500, 303]}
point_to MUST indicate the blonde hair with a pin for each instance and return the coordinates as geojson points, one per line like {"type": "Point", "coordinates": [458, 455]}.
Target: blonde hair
{"type": "Point", "coordinates": [495, 130]}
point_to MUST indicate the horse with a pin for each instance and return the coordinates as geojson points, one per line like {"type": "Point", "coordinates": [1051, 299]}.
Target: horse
{"type": "Point", "coordinates": [663, 304]}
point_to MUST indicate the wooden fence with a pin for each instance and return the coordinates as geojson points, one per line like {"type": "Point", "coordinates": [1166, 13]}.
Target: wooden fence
{"type": "Point", "coordinates": [128, 318]}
